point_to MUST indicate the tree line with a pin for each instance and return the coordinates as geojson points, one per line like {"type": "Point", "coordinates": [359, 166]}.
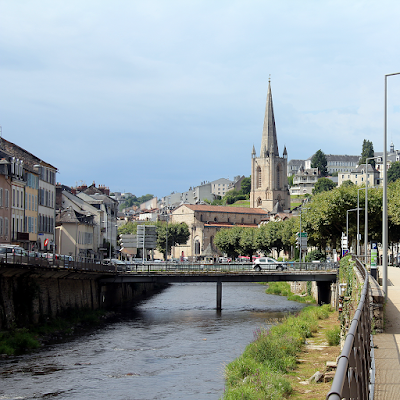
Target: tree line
{"type": "Point", "coordinates": [324, 218]}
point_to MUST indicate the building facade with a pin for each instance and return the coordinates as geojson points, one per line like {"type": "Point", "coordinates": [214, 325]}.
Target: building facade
{"type": "Point", "coordinates": [204, 221]}
{"type": "Point", "coordinates": [269, 183]}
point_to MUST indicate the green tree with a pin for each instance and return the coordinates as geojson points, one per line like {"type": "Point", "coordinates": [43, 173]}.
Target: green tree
{"type": "Point", "coordinates": [246, 185]}
{"type": "Point", "coordinates": [393, 172]}
{"type": "Point", "coordinates": [290, 180]}
{"type": "Point", "coordinates": [323, 185]}
{"type": "Point", "coordinates": [177, 234]}
{"type": "Point", "coordinates": [247, 242]}
{"type": "Point", "coordinates": [347, 183]}
{"type": "Point", "coordinates": [319, 161]}
{"type": "Point", "coordinates": [228, 241]}
{"type": "Point", "coordinates": [367, 152]}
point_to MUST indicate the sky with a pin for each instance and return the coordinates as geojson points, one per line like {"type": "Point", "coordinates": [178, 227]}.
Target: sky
{"type": "Point", "coordinates": [157, 96]}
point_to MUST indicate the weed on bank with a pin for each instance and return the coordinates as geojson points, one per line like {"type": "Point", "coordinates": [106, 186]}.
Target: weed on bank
{"type": "Point", "coordinates": [21, 340]}
{"type": "Point", "coordinates": [260, 372]}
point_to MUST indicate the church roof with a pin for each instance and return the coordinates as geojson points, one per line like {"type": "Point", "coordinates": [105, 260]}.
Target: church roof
{"type": "Point", "coordinates": [269, 140]}
{"type": "Point", "coordinates": [225, 209]}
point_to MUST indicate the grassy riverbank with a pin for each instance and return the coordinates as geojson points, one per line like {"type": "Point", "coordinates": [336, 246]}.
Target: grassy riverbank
{"type": "Point", "coordinates": [18, 341]}
{"type": "Point", "coordinates": [266, 368]}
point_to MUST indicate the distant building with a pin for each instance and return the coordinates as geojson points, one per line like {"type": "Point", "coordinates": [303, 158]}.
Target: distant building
{"type": "Point", "coordinates": [336, 163]}
{"type": "Point", "coordinates": [359, 177]}
{"type": "Point", "coordinates": [294, 166]}
{"type": "Point", "coordinates": [304, 181]}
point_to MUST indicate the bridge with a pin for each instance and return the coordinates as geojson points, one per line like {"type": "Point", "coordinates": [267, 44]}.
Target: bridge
{"type": "Point", "coordinates": [323, 273]}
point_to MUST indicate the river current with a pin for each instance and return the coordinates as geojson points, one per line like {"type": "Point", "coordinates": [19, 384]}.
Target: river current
{"type": "Point", "coordinates": [174, 345]}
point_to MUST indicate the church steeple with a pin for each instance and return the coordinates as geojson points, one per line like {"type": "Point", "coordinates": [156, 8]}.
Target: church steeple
{"type": "Point", "coordinates": [269, 140]}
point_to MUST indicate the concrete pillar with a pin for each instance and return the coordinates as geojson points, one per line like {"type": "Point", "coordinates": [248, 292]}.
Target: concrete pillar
{"type": "Point", "coordinates": [219, 295]}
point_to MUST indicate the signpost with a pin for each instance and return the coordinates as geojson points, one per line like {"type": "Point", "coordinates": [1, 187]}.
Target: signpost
{"type": "Point", "coordinates": [301, 241]}
{"type": "Point", "coordinates": [146, 237]}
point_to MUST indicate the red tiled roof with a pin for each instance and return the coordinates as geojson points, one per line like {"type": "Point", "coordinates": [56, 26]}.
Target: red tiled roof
{"type": "Point", "coordinates": [228, 225]}
{"type": "Point", "coordinates": [224, 209]}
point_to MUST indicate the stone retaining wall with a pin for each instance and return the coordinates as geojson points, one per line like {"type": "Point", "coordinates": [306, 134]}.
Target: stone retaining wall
{"type": "Point", "coordinates": [31, 297]}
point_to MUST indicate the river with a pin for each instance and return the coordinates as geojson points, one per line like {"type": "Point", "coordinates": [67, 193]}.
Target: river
{"type": "Point", "coordinates": [172, 346]}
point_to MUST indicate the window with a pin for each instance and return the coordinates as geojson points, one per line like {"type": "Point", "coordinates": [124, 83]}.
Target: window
{"type": "Point", "coordinates": [258, 177]}
{"type": "Point", "coordinates": [6, 226]}
{"type": "Point", "coordinates": [7, 198]}
{"type": "Point", "coordinates": [1, 226]}
{"type": "Point", "coordinates": [1, 197]}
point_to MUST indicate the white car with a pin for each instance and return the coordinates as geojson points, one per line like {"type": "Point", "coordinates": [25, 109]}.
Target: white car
{"type": "Point", "coordinates": [268, 263]}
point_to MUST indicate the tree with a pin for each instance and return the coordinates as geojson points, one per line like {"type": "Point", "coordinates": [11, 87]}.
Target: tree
{"type": "Point", "coordinates": [319, 161]}
{"type": "Point", "coordinates": [393, 172]}
{"type": "Point", "coordinates": [347, 183]}
{"type": "Point", "coordinates": [367, 152]}
{"type": "Point", "coordinates": [177, 234]}
{"type": "Point", "coordinates": [246, 185]}
{"type": "Point", "coordinates": [323, 185]}
{"type": "Point", "coordinates": [227, 240]}
{"type": "Point", "coordinates": [247, 242]}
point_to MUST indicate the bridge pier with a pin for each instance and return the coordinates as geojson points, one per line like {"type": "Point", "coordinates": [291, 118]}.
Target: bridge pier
{"type": "Point", "coordinates": [219, 295]}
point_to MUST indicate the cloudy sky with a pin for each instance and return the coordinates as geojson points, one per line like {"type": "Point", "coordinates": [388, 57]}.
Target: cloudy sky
{"type": "Point", "coordinates": [155, 96]}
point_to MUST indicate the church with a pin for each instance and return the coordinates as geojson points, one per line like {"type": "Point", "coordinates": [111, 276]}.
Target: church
{"type": "Point", "coordinates": [269, 183]}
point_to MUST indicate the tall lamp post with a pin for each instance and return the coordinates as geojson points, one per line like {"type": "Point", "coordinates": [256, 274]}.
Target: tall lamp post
{"type": "Point", "coordinates": [384, 199]}
{"type": "Point", "coordinates": [347, 221]}
{"type": "Point", "coordinates": [366, 208]}
{"type": "Point", "coordinates": [358, 220]}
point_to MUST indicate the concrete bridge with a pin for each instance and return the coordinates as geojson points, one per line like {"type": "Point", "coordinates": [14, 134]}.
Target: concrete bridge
{"type": "Point", "coordinates": [32, 289]}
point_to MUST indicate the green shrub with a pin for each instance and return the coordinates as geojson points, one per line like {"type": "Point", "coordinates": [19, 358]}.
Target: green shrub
{"type": "Point", "coordinates": [260, 372]}
{"type": "Point", "coordinates": [333, 336]}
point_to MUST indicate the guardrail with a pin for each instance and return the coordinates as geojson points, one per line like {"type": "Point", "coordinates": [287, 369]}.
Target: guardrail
{"type": "Point", "coordinates": [352, 378]}
{"type": "Point", "coordinates": [149, 266]}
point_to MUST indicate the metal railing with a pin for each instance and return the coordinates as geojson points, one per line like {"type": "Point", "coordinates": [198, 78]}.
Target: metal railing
{"type": "Point", "coordinates": [47, 260]}
{"type": "Point", "coordinates": [352, 378]}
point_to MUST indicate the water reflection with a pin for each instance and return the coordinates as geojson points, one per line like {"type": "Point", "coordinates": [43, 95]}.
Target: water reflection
{"type": "Point", "coordinates": [174, 345]}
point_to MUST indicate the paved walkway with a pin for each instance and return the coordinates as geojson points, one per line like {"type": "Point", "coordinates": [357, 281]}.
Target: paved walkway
{"type": "Point", "coordinates": [387, 344]}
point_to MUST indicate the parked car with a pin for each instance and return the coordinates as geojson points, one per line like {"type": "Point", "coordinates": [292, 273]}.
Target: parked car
{"type": "Point", "coordinates": [268, 263]}
{"type": "Point", "coordinates": [12, 253]}
{"type": "Point", "coordinates": [117, 264]}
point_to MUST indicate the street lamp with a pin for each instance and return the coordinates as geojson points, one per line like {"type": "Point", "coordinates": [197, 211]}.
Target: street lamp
{"type": "Point", "coordinates": [347, 222]}
{"type": "Point", "coordinates": [384, 199]}
{"type": "Point", "coordinates": [358, 220]}
{"type": "Point", "coordinates": [366, 209]}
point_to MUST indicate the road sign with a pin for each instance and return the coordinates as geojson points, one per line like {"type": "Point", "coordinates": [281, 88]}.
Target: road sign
{"type": "Point", "coordinates": [302, 234]}
{"type": "Point", "coordinates": [146, 236]}
{"type": "Point", "coordinates": [46, 242]}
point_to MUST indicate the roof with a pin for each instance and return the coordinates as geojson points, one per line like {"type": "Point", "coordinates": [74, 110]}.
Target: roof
{"type": "Point", "coordinates": [19, 152]}
{"type": "Point", "coordinates": [224, 209]}
{"type": "Point", "coordinates": [228, 225]}
{"type": "Point", "coordinates": [269, 140]}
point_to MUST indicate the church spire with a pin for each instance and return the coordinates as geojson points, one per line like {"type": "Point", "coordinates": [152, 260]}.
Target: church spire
{"type": "Point", "coordinates": [269, 131]}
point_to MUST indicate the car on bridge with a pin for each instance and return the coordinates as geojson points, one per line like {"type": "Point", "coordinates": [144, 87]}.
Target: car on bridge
{"type": "Point", "coordinates": [269, 264]}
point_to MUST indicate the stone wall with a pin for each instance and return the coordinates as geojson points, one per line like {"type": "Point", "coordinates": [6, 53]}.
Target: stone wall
{"type": "Point", "coordinates": [30, 298]}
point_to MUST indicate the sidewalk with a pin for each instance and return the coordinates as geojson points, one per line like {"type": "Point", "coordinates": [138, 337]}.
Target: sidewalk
{"type": "Point", "coordinates": [387, 344]}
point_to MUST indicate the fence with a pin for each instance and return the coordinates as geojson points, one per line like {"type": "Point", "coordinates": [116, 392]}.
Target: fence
{"type": "Point", "coordinates": [352, 378]}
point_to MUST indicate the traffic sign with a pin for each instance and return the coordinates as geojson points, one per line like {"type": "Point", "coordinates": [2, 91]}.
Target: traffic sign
{"type": "Point", "coordinates": [46, 242]}
{"type": "Point", "coordinates": [302, 234]}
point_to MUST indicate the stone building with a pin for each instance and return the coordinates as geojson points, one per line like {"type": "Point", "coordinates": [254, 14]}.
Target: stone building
{"type": "Point", "coordinates": [204, 221]}
{"type": "Point", "coordinates": [269, 183]}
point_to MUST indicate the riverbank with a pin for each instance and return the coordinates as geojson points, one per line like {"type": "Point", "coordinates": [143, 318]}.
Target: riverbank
{"type": "Point", "coordinates": [22, 340]}
{"type": "Point", "coordinates": [279, 363]}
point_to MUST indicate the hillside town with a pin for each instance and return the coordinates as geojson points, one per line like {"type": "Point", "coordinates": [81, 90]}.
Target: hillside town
{"type": "Point", "coordinates": [42, 215]}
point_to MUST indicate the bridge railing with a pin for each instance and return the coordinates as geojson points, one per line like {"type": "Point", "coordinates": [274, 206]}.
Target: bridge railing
{"type": "Point", "coordinates": [47, 260]}
{"type": "Point", "coordinates": [352, 376]}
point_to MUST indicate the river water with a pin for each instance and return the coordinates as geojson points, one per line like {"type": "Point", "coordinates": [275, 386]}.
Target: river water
{"type": "Point", "coordinates": [172, 346]}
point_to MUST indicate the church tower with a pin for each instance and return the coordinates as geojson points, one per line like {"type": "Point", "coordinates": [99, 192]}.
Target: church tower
{"type": "Point", "coordinates": [269, 184]}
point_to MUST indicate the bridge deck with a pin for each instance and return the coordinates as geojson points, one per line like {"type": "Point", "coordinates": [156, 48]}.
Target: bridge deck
{"type": "Point", "coordinates": [387, 344]}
